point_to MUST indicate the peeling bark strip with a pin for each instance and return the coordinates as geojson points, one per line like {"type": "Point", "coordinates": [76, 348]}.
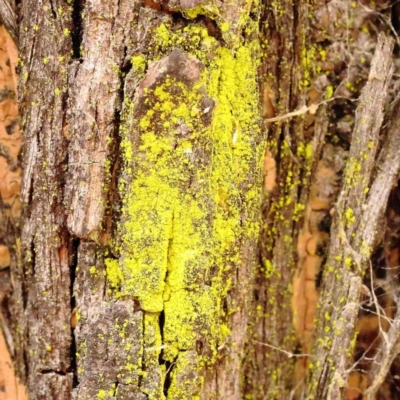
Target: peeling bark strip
{"type": "Point", "coordinates": [267, 372]}
{"type": "Point", "coordinates": [357, 213]}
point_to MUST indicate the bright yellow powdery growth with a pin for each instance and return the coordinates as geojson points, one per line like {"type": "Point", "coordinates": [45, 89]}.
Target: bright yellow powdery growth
{"type": "Point", "coordinates": [190, 199]}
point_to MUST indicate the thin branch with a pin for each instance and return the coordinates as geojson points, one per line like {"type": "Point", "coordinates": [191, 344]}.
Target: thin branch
{"type": "Point", "coordinates": [377, 305]}
{"type": "Point", "coordinates": [387, 352]}
{"type": "Point", "coordinates": [288, 353]}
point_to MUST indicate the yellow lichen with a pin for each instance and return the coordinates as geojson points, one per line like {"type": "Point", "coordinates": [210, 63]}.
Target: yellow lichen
{"type": "Point", "coordinates": [139, 64]}
{"type": "Point", "coordinates": [190, 193]}
{"type": "Point", "coordinates": [113, 272]}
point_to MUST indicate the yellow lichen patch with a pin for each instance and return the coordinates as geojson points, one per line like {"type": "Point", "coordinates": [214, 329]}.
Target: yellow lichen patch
{"type": "Point", "coordinates": [139, 64]}
{"type": "Point", "coordinates": [231, 18]}
{"type": "Point", "coordinates": [191, 195]}
{"type": "Point", "coordinates": [113, 272]}
{"type": "Point", "coordinates": [204, 9]}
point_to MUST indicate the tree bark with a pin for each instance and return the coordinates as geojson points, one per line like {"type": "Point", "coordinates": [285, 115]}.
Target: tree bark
{"type": "Point", "coordinates": [182, 163]}
{"type": "Point", "coordinates": [142, 178]}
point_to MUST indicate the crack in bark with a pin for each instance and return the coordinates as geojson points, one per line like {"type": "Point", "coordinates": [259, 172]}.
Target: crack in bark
{"type": "Point", "coordinates": [52, 371]}
{"type": "Point", "coordinates": [116, 383]}
{"type": "Point", "coordinates": [168, 364]}
{"type": "Point", "coordinates": [158, 6]}
{"type": "Point", "coordinates": [161, 323]}
{"type": "Point", "coordinates": [26, 364]}
{"type": "Point", "coordinates": [142, 365]}
{"type": "Point", "coordinates": [168, 378]}
{"type": "Point", "coordinates": [25, 284]}
{"type": "Point", "coordinates": [77, 31]}
{"type": "Point", "coordinates": [53, 11]}
{"type": "Point", "coordinates": [74, 264]}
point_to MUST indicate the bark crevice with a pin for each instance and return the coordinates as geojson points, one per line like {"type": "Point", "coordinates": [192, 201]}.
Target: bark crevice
{"type": "Point", "coordinates": [73, 348]}
{"type": "Point", "coordinates": [77, 32]}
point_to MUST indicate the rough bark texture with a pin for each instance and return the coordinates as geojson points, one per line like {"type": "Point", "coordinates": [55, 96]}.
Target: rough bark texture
{"type": "Point", "coordinates": [147, 283]}
{"type": "Point", "coordinates": [355, 222]}
{"type": "Point", "coordinates": [156, 263]}
{"type": "Point", "coordinates": [268, 371]}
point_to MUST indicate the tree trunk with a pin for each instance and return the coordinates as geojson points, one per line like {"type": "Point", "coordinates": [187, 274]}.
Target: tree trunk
{"type": "Point", "coordinates": [196, 176]}
{"type": "Point", "coordinates": [143, 189]}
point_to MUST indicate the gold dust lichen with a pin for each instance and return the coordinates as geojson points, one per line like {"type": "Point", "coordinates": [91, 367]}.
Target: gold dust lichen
{"type": "Point", "coordinates": [190, 191]}
{"type": "Point", "coordinates": [139, 64]}
{"type": "Point", "coordinates": [113, 272]}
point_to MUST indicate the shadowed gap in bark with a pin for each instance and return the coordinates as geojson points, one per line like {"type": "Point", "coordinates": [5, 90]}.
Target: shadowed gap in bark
{"type": "Point", "coordinates": [78, 6]}
{"type": "Point", "coordinates": [74, 264]}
